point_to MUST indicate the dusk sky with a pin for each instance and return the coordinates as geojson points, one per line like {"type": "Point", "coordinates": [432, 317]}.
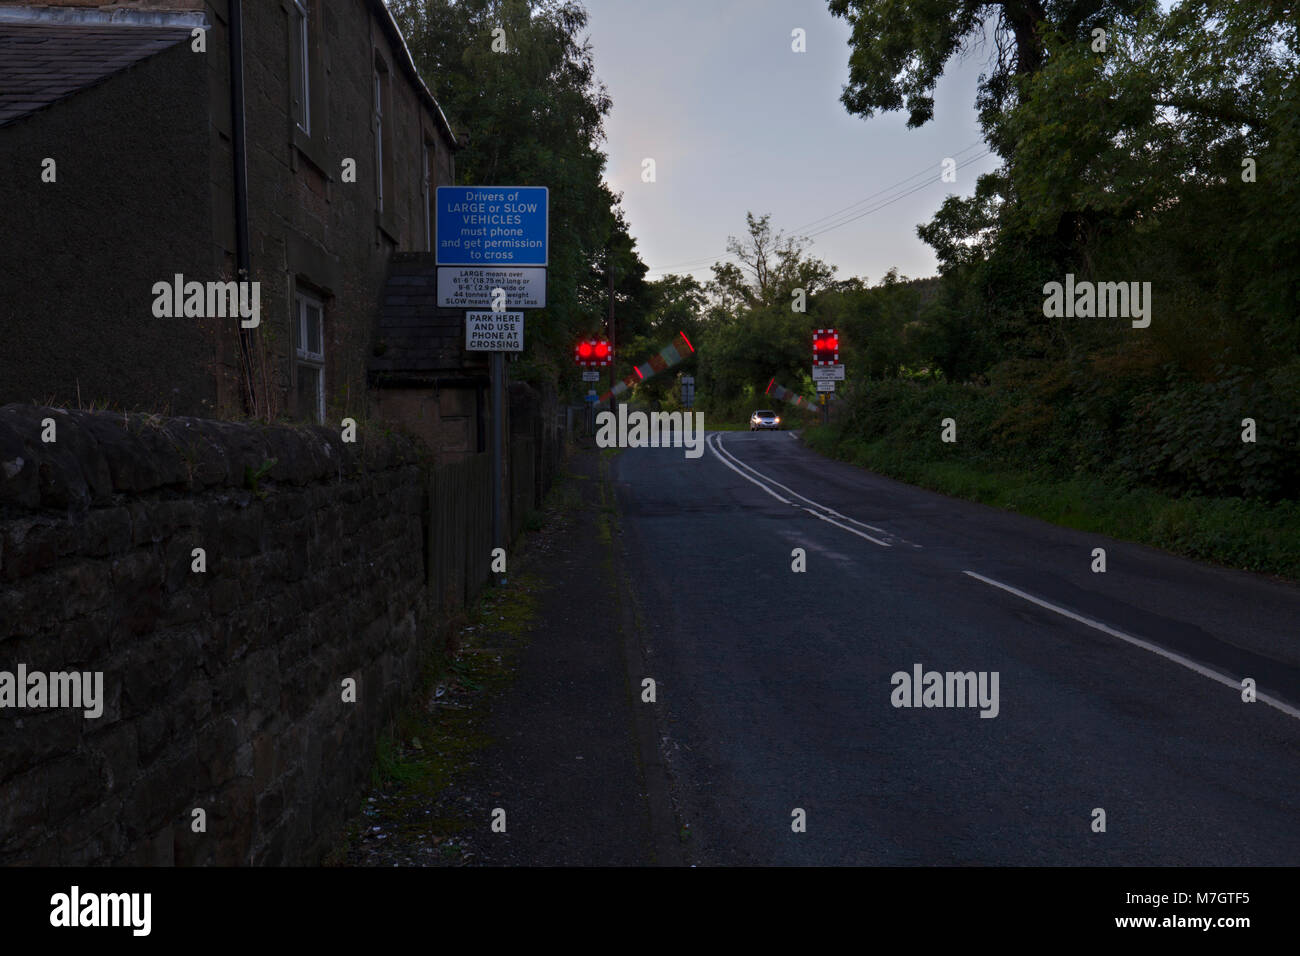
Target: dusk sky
{"type": "Point", "coordinates": [736, 121]}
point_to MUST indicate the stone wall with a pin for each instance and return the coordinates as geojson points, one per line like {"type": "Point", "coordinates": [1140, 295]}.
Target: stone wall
{"type": "Point", "coordinates": [223, 690]}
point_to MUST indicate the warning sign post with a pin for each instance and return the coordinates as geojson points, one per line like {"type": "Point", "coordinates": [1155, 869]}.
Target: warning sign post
{"type": "Point", "coordinates": [492, 252]}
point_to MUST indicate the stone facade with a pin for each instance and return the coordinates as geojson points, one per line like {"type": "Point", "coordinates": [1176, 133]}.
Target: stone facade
{"type": "Point", "coordinates": [146, 190]}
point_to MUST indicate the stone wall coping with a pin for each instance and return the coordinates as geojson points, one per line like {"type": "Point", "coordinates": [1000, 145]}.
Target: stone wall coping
{"type": "Point", "coordinates": [99, 454]}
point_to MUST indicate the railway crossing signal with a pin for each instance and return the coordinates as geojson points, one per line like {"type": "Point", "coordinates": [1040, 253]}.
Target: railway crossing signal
{"type": "Point", "coordinates": [826, 347]}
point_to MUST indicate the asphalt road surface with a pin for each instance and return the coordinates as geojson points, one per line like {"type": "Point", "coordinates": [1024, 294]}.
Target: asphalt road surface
{"type": "Point", "coordinates": [1118, 692]}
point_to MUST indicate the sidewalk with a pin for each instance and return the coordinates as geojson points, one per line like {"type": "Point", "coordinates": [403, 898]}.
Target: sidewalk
{"type": "Point", "coordinates": [538, 717]}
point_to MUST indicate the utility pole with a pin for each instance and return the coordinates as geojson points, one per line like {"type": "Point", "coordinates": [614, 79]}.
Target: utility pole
{"type": "Point", "coordinates": [613, 345]}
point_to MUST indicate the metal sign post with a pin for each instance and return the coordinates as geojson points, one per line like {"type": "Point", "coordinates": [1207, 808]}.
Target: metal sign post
{"type": "Point", "coordinates": [492, 252]}
{"type": "Point", "coordinates": [497, 367]}
{"type": "Point", "coordinates": [824, 390]}
{"type": "Point", "coordinates": [827, 369]}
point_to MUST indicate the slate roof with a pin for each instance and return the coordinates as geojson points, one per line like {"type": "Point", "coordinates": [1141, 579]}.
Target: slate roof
{"type": "Point", "coordinates": [47, 53]}
{"type": "Point", "coordinates": [416, 339]}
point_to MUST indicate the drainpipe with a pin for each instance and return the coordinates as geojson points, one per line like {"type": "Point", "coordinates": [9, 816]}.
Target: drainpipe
{"type": "Point", "coordinates": [240, 150]}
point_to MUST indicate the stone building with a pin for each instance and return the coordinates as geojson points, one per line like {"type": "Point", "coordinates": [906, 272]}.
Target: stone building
{"type": "Point", "coordinates": [151, 144]}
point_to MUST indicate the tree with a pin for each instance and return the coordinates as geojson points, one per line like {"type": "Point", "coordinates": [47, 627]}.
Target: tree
{"type": "Point", "coordinates": [534, 113]}
{"type": "Point", "coordinates": [753, 329]}
{"type": "Point", "coordinates": [900, 48]}
{"type": "Point", "coordinates": [771, 267]}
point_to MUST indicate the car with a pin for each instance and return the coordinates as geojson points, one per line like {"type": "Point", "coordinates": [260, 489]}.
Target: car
{"type": "Point", "coordinates": [764, 418]}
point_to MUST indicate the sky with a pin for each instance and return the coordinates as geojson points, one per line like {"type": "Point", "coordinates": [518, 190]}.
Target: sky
{"type": "Point", "coordinates": [736, 121]}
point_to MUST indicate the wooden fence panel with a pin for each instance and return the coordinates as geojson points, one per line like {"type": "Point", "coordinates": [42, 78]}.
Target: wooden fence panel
{"type": "Point", "coordinates": [523, 483]}
{"type": "Point", "coordinates": [460, 512]}
{"type": "Point", "coordinates": [478, 536]}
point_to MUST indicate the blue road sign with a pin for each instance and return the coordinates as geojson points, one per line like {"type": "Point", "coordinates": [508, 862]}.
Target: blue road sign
{"type": "Point", "coordinates": [492, 225]}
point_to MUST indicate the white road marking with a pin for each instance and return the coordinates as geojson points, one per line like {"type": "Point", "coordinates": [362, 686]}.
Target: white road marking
{"type": "Point", "coordinates": [827, 508]}
{"type": "Point", "coordinates": [768, 478]}
{"type": "Point", "coordinates": [1138, 642]}
{"type": "Point", "coordinates": [714, 442]}
{"type": "Point", "coordinates": [708, 441]}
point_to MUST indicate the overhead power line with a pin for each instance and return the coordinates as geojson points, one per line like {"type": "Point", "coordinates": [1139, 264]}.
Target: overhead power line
{"type": "Point", "coordinates": [708, 260]}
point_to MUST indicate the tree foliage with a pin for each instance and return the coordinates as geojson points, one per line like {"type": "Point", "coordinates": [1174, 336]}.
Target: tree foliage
{"type": "Point", "coordinates": [533, 114]}
{"type": "Point", "coordinates": [1140, 143]}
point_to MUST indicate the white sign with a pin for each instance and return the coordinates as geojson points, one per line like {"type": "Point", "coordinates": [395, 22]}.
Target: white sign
{"type": "Point", "coordinates": [494, 331]}
{"type": "Point", "coordinates": [828, 373]}
{"type": "Point", "coordinates": [467, 287]}
{"type": "Point", "coordinates": [590, 375]}
{"type": "Point", "coordinates": [825, 386]}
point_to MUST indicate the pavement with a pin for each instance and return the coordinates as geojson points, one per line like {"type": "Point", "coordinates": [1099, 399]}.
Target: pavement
{"type": "Point", "coordinates": [570, 754]}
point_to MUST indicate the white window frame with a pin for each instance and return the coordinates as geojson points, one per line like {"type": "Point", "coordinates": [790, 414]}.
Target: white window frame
{"type": "Point", "coordinates": [425, 186]}
{"type": "Point", "coordinates": [302, 303]}
{"type": "Point", "coordinates": [379, 136]}
{"type": "Point", "coordinates": [304, 79]}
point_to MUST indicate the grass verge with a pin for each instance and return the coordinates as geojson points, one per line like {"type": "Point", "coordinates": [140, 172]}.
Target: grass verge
{"type": "Point", "coordinates": [1249, 535]}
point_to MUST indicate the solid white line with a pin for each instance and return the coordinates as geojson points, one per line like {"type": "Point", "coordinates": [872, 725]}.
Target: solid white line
{"type": "Point", "coordinates": [707, 441]}
{"type": "Point", "coordinates": [722, 457]}
{"type": "Point", "coordinates": [769, 478]}
{"type": "Point", "coordinates": [860, 534]}
{"type": "Point", "coordinates": [1138, 642]}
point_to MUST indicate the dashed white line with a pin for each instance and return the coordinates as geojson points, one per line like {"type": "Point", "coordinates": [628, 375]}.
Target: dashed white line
{"type": "Point", "coordinates": [715, 444]}
{"type": "Point", "coordinates": [1138, 642]}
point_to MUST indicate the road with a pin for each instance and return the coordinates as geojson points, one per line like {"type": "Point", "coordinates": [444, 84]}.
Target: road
{"type": "Point", "coordinates": [1117, 691]}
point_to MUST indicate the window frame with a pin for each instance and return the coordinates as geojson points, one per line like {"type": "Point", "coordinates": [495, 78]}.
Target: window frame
{"type": "Point", "coordinates": [303, 301]}
{"type": "Point", "coordinates": [302, 44]}
{"type": "Point", "coordinates": [379, 137]}
{"type": "Point", "coordinates": [426, 191]}
{"type": "Point", "coordinates": [385, 132]}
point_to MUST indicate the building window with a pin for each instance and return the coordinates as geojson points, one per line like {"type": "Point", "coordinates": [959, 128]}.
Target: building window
{"type": "Point", "coordinates": [301, 66]}
{"type": "Point", "coordinates": [379, 139]}
{"type": "Point", "coordinates": [426, 193]}
{"type": "Point", "coordinates": [383, 137]}
{"type": "Point", "coordinates": [310, 335]}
